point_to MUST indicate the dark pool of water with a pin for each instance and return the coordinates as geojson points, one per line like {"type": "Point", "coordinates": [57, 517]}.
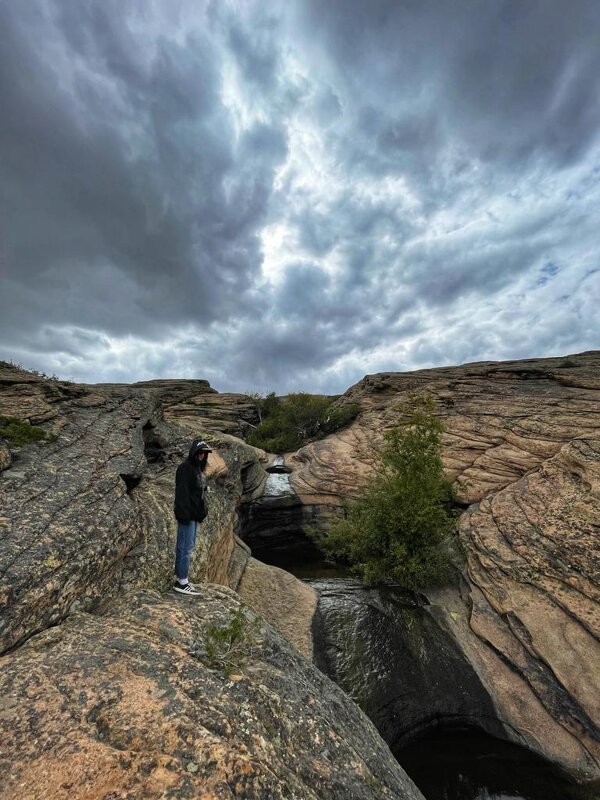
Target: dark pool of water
{"type": "Point", "coordinates": [302, 560]}
{"type": "Point", "coordinates": [458, 764]}
{"type": "Point", "coordinates": [469, 765]}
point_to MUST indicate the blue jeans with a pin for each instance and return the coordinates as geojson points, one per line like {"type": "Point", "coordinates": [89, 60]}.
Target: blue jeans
{"type": "Point", "coordinates": [186, 541]}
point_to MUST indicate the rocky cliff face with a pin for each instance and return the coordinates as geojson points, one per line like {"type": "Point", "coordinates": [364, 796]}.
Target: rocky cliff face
{"type": "Point", "coordinates": [90, 515]}
{"type": "Point", "coordinates": [106, 689]}
{"type": "Point", "coordinates": [87, 539]}
{"type": "Point", "coordinates": [522, 445]}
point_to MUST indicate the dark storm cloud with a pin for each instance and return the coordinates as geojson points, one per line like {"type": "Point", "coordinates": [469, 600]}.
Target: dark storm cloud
{"type": "Point", "coordinates": [127, 200]}
{"type": "Point", "coordinates": [289, 195]}
{"type": "Point", "coordinates": [508, 78]}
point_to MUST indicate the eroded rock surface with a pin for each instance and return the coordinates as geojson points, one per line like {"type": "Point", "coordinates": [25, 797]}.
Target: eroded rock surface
{"type": "Point", "coordinates": [90, 514]}
{"type": "Point", "coordinates": [66, 514]}
{"type": "Point", "coordinates": [502, 419]}
{"type": "Point", "coordinates": [534, 562]}
{"type": "Point", "coordinates": [522, 444]}
{"type": "Point", "coordinates": [284, 601]}
{"type": "Point", "coordinates": [128, 704]}
{"type": "Point", "coordinates": [209, 410]}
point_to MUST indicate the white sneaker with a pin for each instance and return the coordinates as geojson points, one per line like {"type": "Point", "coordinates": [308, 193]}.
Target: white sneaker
{"type": "Point", "coordinates": [187, 588]}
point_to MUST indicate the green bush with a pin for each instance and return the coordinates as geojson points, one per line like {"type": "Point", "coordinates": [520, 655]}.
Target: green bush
{"type": "Point", "coordinates": [289, 422]}
{"type": "Point", "coordinates": [228, 646]}
{"type": "Point", "coordinates": [18, 432]}
{"type": "Point", "coordinates": [400, 528]}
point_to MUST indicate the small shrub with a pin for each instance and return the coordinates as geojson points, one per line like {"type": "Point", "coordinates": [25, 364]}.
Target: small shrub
{"type": "Point", "coordinates": [228, 646]}
{"type": "Point", "coordinates": [567, 363]}
{"type": "Point", "coordinates": [400, 527]}
{"type": "Point", "coordinates": [18, 432]}
{"type": "Point", "coordinates": [288, 423]}
{"type": "Point", "coordinates": [339, 416]}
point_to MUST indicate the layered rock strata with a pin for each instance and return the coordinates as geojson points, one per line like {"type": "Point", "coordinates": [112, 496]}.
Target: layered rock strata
{"type": "Point", "coordinates": [89, 515]}
{"type": "Point", "coordinates": [219, 412]}
{"type": "Point", "coordinates": [522, 444]}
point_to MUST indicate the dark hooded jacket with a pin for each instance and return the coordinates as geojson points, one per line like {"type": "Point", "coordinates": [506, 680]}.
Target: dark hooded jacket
{"type": "Point", "coordinates": [190, 485]}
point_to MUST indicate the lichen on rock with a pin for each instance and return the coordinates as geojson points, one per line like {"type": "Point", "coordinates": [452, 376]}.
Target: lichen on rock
{"type": "Point", "coordinates": [126, 704]}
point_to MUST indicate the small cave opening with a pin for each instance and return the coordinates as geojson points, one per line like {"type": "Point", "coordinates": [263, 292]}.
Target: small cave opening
{"type": "Point", "coordinates": [130, 481]}
{"type": "Point", "coordinates": [466, 763]}
{"type": "Point", "coordinates": [276, 533]}
{"type": "Point", "coordinates": [154, 444]}
{"type": "Point", "coordinates": [277, 527]}
{"type": "Point", "coordinates": [278, 469]}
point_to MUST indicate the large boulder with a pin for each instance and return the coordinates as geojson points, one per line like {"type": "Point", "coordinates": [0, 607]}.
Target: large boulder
{"type": "Point", "coordinates": [129, 704]}
{"type": "Point", "coordinates": [284, 601]}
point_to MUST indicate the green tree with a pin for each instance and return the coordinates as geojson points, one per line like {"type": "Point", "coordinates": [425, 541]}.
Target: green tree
{"type": "Point", "coordinates": [400, 527]}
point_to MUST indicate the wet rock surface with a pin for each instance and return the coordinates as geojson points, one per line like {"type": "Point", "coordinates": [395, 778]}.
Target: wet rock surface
{"type": "Point", "coordinates": [385, 648]}
{"type": "Point", "coordinates": [126, 704]}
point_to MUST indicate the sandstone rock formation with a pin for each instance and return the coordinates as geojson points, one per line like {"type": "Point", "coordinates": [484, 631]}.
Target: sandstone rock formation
{"type": "Point", "coordinates": [522, 445]}
{"type": "Point", "coordinates": [105, 692]}
{"type": "Point", "coordinates": [89, 515]}
{"type": "Point", "coordinates": [219, 412]}
{"type": "Point", "coordinates": [128, 704]}
{"type": "Point", "coordinates": [287, 603]}
{"type": "Point", "coordinates": [87, 519]}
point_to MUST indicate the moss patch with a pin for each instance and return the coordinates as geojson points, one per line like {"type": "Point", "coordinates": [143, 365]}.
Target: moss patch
{"type": "Point", "coordinates": [19, 432]}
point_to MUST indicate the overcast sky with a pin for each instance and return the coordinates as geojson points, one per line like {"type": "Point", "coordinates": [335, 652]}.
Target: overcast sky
{"type": "Point", "coordinates": [290, 194]}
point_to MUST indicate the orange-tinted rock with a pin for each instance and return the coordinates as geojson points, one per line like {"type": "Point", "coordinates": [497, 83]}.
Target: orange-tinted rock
{"type": "Point", "coordinates": [128, 704]}
{"type": "Point", "coordinates": [521, 442]}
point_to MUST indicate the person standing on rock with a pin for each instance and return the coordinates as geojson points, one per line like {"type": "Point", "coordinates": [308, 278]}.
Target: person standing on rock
{"type": "Point", "coordinates": [190, 509]}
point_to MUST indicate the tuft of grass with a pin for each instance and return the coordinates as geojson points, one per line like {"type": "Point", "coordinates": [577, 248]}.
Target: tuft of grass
{"type": "Point", "coordinates": [52, 561]}
{"type": "Point", "coordinates": [228, 646]}
{"type": "Point", "coordinates": [10, 364]}
{"type": "Point", "coordinates": [19, 432]}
